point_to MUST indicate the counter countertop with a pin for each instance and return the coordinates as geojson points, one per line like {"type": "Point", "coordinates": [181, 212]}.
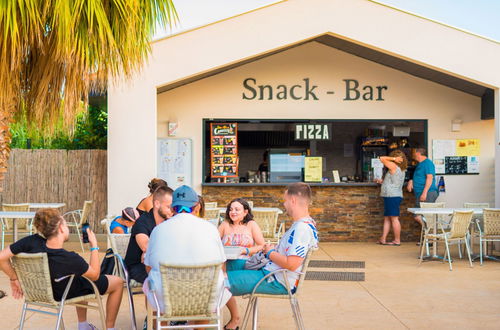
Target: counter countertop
{"type": "Point", "coordinates": [330, 184]}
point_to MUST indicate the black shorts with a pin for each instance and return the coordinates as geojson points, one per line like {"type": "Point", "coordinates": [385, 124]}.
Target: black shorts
{"type": "Point", "coordinates": [137, 272]}
{"type": "Point", "coordinates": [81, 287]}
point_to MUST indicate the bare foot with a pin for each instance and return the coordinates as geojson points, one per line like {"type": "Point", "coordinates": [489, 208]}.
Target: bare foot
{"type": "Point", "coordinates": [232, 324]}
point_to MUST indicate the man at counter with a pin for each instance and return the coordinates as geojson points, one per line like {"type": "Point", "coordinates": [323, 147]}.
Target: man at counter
{"type": "Point", "coordinates": [423, 183]}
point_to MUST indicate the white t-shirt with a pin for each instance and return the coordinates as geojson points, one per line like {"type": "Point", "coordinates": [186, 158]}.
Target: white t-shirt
{"type": "Point", "coordinates": [183, 239]}
{"type": "Point", "coordinates": [296, 241]}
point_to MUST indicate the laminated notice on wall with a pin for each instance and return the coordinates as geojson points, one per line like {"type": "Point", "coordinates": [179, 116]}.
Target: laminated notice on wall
{"type": "Point", "coordinates": [456, 156]}
{"type": "Point", "coordinates": [313, 169]}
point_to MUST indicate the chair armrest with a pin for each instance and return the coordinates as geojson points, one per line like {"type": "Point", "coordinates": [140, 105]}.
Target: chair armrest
{"type": "Point", "coordinates": [282, 270]}
{"type": "Point", "coordinates": [66, 290]}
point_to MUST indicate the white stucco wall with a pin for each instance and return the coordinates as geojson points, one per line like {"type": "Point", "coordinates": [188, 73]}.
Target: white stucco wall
{"type": "Point", "coordinates": [407, 97]}
{"type": "Point", "coordinates": [132, 105]}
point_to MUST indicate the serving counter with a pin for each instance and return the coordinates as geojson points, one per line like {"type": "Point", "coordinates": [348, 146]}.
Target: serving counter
{"type": "Point", "coordinates": [344, 212]}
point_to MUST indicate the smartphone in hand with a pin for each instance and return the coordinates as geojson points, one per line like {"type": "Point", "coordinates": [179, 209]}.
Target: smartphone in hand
{"type": "Point", "coordinates": [85, 235]}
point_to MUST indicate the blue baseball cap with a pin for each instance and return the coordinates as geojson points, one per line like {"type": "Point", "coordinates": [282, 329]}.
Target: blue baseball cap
{"type": "Point", "coordinates": [184, 196]}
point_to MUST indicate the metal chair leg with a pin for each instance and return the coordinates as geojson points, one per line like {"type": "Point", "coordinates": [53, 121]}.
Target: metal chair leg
{"type": "Point", "coordinates": [131, 306]}
{"type": "Point", "coordinates": [422, 251]}
{"type": "Point", "coordinates": [468, 252]}
{"type": "Point", "coordinates": [23, 316]}
{"type": "Point", "coordinates": [296, 313]}
{"type": "Point", "coordinates": [59, 316]}
{"type": "Point", "coordinates": [255, 314]}
{"type": "Point", "coordinates": [481, 251]}
{"type": "Point", "coordinates": [448, 253]}
{"type": "Point", "coordinates": [248, 311]}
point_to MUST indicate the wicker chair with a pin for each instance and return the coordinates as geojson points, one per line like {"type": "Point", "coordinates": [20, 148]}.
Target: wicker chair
{"type": "Point", "coordinates": [252, 306]}
{"type": "Point", "coordinates": [32, 270]}
{"type": "Point", "coordinates": [430, 222]}
{"type": "Point", "coordinates": [268, 222]}
{"type": "Point", "coordinates": [459, 231]}
{"type": "Point", "coordinates": [190, 293]}
{"type": "Point", "coordinates": [212, 213]}
{"type": "Point", "coordinates": [22, 226]}
{"type": "Point", "coordinates": [77, 217]}
{"type": "Point", "coordinates": [119, 244]}
{"type": "Point", "coordinates": [210, 205]}
{"type": "Point", "coordinates": [476, 218]}
{"type": "Point", "coordinates": [491, 232]}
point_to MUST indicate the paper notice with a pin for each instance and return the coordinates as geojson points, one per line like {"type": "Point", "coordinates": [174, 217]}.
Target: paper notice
{"type": "Point", "coordinates": [468, 147]}
{"type": "Point", "coordinates": [472, 164]}
{"type": "Point", "coordinates": [439, 164]}
{"type": "Point", "coordinates": [443, 148]}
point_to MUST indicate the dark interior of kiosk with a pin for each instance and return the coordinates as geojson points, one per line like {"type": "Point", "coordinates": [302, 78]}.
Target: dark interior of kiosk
{"type": "Point", "coordinates": [271, 146]}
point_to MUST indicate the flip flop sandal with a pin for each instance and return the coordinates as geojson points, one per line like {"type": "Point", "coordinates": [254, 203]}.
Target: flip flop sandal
{"type": "Point", "coordinates": [381, 243]}
{"type": "Point", "coordinates": [393, 244]}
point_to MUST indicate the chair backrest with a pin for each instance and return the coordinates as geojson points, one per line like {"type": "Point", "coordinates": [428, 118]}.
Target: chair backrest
{"type": "Point", "coordinates": [211, 213]}
{"type": "Point", "coordinates": [32, 269]}
{"type": "Point", "coordinates": [430, 220]}
{"type": "Point", "coordinates": [476, 205]}
{"type": "Point", "coordinates": [118, 242]}
{"type": "Point", "coordinates": [190, 290]}
{"type": "Point", "coordinates": [491, 221]}
{"type": "Point", "coordinates": [305, 265]}
{"type": "Point", "coordinates": [267, 221]}
{"type": "Point", "coordinates": [87, 205]}
{"type": "Point", "coordinates": [210, 205]}
{"type": "Point", "coordinates": [24, 207]}
{"type": "Point", "coordinates": [460, 223]}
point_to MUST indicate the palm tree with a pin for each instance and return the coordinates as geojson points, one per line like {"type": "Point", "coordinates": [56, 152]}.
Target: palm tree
{"type": "Point", "coordinates": [53, 53]}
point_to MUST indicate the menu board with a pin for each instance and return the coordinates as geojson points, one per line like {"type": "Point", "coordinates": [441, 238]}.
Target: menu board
{"type": "Point", "coordinates": [456, 156]}
{"type": "Point", "coordinates": [224, 150]}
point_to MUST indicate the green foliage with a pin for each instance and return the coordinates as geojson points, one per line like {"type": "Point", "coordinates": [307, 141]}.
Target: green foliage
{"type": "Point", "coordinates": [90, 133]}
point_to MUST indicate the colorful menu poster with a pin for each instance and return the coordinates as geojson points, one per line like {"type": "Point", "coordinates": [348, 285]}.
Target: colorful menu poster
{"type": "Point", "coordinates": [224, 150]}
{"type": "Point", "coordinates": [313, 169]}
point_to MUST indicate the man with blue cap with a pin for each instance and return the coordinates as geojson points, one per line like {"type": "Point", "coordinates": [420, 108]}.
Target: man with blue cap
{"type": "Point", "coordinates": [184, 239]}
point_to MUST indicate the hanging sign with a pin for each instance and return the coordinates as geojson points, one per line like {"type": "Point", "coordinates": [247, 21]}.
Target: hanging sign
{"type": "Point", "coordinates": [311, 132]}
{"type": "Point", "coordinates": [224, 150]}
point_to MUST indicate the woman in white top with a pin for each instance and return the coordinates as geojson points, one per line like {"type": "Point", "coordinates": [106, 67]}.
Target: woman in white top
{"type": "Point", "coordinates": [392, 193]}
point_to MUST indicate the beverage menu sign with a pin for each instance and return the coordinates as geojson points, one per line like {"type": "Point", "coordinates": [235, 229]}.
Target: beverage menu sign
{"type": "Point", "coordinates": [224, 150]}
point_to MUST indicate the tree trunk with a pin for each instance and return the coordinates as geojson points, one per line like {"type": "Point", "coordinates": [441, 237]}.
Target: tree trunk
{"type": "Point", "coordinates": [6, 118]}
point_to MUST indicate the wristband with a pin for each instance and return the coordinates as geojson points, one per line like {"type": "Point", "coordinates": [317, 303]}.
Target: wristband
{"type": "Point", "coordinates": [94, 249]}
{"type": "Point", "coordinates": [248, 251]}
{"type": "Point", "coordinates": [269, 253]}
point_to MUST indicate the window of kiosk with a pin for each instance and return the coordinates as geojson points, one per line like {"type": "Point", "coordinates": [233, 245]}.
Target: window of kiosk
{"type": "Point", "coordinates": [263, 148]}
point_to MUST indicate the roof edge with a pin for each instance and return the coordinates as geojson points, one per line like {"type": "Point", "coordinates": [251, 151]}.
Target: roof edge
{"type": "Point", "coordinates": [216, 22]}
{"type": "Point", "coordinates": [435, 21]}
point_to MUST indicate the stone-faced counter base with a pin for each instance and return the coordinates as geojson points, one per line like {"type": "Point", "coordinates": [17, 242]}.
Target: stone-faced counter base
{"type": "Point", "coordinates": [343, 212]}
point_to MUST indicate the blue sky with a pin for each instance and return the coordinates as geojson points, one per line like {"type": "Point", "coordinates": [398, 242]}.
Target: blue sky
{"type": "Point", "coordinates": [477, 16]}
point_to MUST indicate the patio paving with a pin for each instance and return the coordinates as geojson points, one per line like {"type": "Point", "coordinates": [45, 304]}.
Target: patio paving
{"type": "Point", "coordinates": [396, 294]}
